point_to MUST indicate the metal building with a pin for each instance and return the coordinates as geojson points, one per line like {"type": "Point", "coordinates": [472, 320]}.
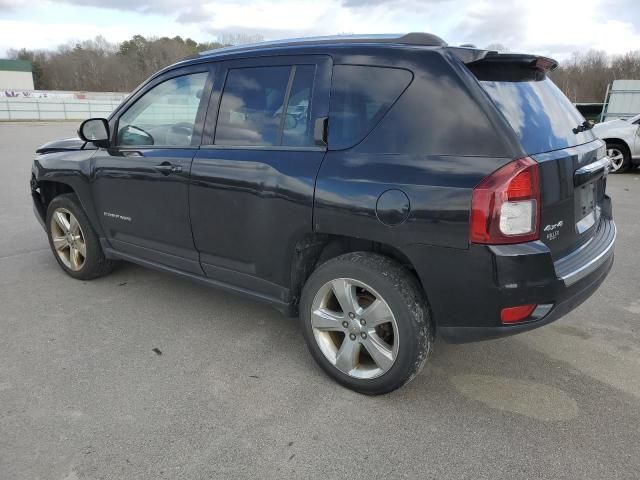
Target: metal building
{"type": "Point", "coordinates": [622, 100]}
{"type": "Point", "coordinates": [15, 75]}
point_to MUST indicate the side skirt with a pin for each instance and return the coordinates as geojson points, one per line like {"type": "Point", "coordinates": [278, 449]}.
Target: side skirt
{"type": "Point", "coordinates": [283, 307]}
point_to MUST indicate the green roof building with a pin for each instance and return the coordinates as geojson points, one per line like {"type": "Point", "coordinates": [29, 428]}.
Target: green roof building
{"type": "Point", "coordinates": [15, 75]}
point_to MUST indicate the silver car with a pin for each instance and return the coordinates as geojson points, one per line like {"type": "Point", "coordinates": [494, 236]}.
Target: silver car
{"type": "Point", "coordinates": [623, 142]}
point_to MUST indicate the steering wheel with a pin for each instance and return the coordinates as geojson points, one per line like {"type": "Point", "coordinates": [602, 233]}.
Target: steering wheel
{"type": "Point", "coordinates": [184, 128]}
{"type": "Point", "coordinates": [149, 140]}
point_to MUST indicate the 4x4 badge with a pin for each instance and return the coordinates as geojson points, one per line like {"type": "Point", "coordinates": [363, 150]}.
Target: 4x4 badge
{"type": "Point", "coordinates": [553, 226]}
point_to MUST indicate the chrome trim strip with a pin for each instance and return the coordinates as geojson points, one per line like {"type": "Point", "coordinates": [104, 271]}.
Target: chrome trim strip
{"type": "Point", "coordinates": [584, 270]}
{"type": "Point", "coordinates": [594, 167]}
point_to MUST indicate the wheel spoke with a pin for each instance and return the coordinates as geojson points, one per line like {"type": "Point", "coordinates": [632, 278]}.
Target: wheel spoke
{"type": "Point", "coordinates": [345, 293]}
{"type": "Point", "coordinates": [324, 320]}
{"type": "Point", "coordinates": [74, 258]}
{"type": "Point", "coordinates": [377, 313]}
{"type": "Point", "coordinates": [82, 248]}
{"type": "Point", "coordinates": [60, 243]}
{"type": "Point", "coordinates": [348, 355]}
{"type": "Point", "coordinates": [378, 350]}
{"type": "Point", "coordinates": [74, 226]}
{"type": "Point", "coordinates": [62, 221]}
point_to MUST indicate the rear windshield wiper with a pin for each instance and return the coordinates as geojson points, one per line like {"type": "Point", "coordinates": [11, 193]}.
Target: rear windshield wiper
{"type": "Point", "coordinates": [583, 127]}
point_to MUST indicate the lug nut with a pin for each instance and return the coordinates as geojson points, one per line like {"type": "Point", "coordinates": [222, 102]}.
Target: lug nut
{"type": "Point", "coordinates": [352, 336]}
{"type": "Point", "coordinates": [362, 321]}
{"type": "Point", "coordinates": [363, 335]}
{"type": "Point", "coordinates": [345, 324]}
{"type": "Point", "coordinates": [352, 315]}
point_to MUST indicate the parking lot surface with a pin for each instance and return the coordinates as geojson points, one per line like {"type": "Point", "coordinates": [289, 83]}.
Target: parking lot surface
{"type": "Point", "coordinates": [231, 392]}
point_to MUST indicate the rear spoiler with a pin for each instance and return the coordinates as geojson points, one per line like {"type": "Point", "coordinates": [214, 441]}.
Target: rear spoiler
{"type": "Point", "coordinates": [476, 57]}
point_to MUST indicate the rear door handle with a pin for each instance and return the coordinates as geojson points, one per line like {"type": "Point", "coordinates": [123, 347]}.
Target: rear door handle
{"type": "Point", "coordinates": [167, 168]}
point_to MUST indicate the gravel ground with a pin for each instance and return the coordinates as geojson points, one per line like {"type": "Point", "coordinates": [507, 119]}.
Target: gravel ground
{"type": "Point", "coordinates": [233, 392]}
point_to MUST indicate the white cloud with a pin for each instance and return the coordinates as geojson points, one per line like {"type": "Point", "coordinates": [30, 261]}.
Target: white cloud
{"type": "Point", "coordinates": [551, 27]}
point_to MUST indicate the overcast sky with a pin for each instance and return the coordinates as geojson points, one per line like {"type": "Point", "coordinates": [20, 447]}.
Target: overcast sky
{"type": "Point", "coordinates": [548, 27]}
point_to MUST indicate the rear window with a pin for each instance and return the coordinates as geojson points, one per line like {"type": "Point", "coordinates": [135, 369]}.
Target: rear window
{"type": "Point", "coordinates": [541, 115]}
{"type": "Point", "coordinates": [360, 97]}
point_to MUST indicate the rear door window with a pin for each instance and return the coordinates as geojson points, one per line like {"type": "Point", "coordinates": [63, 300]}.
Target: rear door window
{"type": "Point", "coordinates": [266, 106]}
{"type": "Point", "coordinates": [360, 97]}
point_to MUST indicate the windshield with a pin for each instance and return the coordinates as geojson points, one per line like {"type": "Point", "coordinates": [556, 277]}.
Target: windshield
{"type": "Point", "coordinates": [541, 115]}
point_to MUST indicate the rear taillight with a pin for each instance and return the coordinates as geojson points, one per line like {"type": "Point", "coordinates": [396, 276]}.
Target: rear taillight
{"type": "Point", "coordinates": [505, 206]}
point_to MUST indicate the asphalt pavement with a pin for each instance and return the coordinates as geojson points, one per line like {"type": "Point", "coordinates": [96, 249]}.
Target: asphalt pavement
{"type": "Point", "coordinates": [142, 375]}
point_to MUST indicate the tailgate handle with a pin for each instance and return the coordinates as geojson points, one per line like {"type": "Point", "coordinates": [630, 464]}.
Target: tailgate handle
{"type": "Point", "coordinates": [588, 172]}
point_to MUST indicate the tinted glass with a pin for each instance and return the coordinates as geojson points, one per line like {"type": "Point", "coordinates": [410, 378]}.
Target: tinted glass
{"type": "Point", "coordinates": [297, 127]}
{"type": "Point", "coordinates": [541, 115]}
{"type": "Point", "coordinates": [360, 97]}
{"type": "Point", "coordinates": [252, 105]}
{"type": "Point", "coordinates": [165, 115]}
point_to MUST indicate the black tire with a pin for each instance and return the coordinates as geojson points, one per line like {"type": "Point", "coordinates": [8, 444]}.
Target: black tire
{"type": "Point", "coordinates": [95, 263]}
{"type": "Point", "coordinates": [406, 300]}
{"type": "Point", "coordinates": [626, 155]}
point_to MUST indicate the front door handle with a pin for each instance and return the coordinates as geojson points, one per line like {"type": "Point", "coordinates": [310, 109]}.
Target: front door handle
{"type": "Point", "coordinates": [167, 168]}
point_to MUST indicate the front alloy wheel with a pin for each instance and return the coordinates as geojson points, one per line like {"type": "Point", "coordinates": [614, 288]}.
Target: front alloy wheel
{"type": "Point", "coordinates": [68, 239]}
{"type": "Point", "coordinates": [73, 240]}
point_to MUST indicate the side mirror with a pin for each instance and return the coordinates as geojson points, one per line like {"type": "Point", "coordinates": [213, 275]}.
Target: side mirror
{"type": "Point", "coordinates": [96, 131]}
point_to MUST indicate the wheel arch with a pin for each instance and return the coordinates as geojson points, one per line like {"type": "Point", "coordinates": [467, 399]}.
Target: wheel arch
{"type": "Point", "coordinates": [618, 140]}
{"type": "Point", "coordinates": [44, 191]}
{"type": "Point", "coordinates": [316, 249]}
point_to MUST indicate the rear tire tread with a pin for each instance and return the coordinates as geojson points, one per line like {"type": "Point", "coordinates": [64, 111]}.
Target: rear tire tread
{"type": "Point", "coordinates": [397, 280]}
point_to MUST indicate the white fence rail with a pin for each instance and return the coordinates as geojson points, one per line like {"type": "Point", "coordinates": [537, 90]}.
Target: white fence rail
{"type": "Point", "coordinates": [20, 108]}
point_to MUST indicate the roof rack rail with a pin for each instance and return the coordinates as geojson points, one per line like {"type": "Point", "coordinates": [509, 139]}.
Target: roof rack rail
{"type": "Point", "coordinates": [414, 38]}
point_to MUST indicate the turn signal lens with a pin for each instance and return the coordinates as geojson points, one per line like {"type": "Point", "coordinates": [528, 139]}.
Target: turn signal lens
{"type": "Point", "coordinates": [517, 314]}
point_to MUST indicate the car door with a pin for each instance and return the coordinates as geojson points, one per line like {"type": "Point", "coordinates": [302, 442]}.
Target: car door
{"type": "Point", "coordinates": [252, 182]}
{"type": "Point", "coordinates": [141, 183]}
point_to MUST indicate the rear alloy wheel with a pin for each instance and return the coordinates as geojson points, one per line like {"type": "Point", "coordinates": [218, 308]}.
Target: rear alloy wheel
{"type": "Point", "coordinates": [366, 322]}
{"type": "Point", "coordinates": [354, 328]}
{"type": "Point", "coordinates": [619, 157]}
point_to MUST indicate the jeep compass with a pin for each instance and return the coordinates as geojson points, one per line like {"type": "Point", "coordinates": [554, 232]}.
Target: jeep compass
{"type": "Point", "coordinates": [385, 189]}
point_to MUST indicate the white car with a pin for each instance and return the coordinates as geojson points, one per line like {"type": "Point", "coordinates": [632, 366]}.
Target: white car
{"type": "Point", "coordinates": [623, 142]}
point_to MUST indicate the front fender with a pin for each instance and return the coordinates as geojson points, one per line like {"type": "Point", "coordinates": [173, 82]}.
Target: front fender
{"type": "Point", "coordinates": [69, 168]}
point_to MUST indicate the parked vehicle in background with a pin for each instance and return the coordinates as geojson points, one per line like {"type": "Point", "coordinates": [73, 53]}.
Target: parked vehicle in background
{"type": "Point", "coordinates": [385, 189]}
{"type": "Point", "coordinates": [623, 142]}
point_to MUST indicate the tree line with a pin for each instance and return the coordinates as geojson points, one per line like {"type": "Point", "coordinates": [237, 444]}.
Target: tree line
{"type": "Point", "coordinates": [584, 77]}
{"type": "Point", "coordinates": [101, 66]}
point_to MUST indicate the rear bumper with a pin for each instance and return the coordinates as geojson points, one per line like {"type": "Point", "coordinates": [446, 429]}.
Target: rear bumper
{"type": "Point", "coordinates": [466, 301]}
{"type": "Point", "coordinates": [572, 298]}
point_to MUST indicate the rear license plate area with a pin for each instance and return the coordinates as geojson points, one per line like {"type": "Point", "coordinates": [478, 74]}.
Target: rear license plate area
{"type": "Point", "coordinates": [588, 198]}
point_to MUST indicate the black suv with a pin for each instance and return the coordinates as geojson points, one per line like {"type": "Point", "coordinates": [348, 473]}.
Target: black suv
{"type": "Point", "coordinates": [384, 188]}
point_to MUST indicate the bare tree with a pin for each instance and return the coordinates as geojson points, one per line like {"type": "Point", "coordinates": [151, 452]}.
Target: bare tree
{"type": "Point", "coordinates": [98, 65]}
